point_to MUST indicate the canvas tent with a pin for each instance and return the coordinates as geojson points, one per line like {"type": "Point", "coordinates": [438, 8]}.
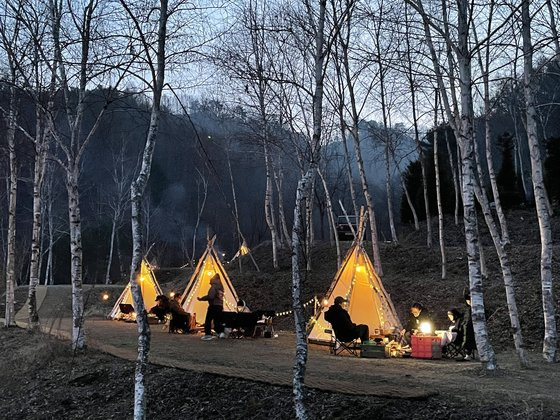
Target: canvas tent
{"type": "Point", "coordinates": [368, 302]}
{"type": "Point", "coordinates": [199, 284]}
{"type": "Point", "coordinates": [149, 287]}
{"type": "Point", "coordinates": [243, 250]}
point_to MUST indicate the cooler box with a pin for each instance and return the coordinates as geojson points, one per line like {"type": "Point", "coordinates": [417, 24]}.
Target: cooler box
{"type": "Point", "coordinates": [373, 350]}
{"type": "Point", "coordinates": [426, 347]}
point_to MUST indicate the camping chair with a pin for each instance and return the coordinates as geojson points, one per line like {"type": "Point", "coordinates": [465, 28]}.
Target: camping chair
{"type": "Point", "coordinates": [453, 351]}
{"type": "Point", "coordinates": [338, 347]}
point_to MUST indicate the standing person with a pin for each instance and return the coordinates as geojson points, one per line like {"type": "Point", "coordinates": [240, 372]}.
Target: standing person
{"type": "Point", "coordinates": [215, 298]}
{"type": "Point", "coordinates": [344, 329]}
{"type": "Point", "coordinates": [469, 342]}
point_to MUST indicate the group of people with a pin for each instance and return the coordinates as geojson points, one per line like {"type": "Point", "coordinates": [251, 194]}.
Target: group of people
{"type": "Point", "coordinates": [460, 332]}
{"type": "Point", "coordinates": [181, 320]}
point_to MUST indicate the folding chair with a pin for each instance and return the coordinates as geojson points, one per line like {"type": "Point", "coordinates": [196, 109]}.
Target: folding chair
{"type": "Point", "coordinates": [338, 347]}
{"type": "Point", "coordinates": [453, 351]}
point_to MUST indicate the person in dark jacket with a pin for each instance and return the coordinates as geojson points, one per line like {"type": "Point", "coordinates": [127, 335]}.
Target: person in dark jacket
{"type": "Point", "coordinates": [161, 308]}
{"type": "Point", "coordinates": [468, 343]}
{"type": "Point", "coordinates": [215, 299]}
{"type": "Point", "coordinates": [456, 330]}
{"type": "Point", "coordinates": [180, 319]}
{"type": "Point", "coordinates": [418, 315]}
{"type": "Point", "coordinates": [344, 329]}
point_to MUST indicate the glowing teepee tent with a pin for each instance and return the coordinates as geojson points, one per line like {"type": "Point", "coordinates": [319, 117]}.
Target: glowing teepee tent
{"type": "Point", "coordinates": [243, 250]}
{"type": "Point", "coordinates": [149, 287]}
{"type": "Point", "coordinates": [367, 301]}
{"type": "Point", "coordinates": [199, 284]}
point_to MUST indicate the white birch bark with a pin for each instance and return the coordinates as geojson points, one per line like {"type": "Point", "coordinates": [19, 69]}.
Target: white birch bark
{"type": "Point", "coordinates": [269, 204]}
{"type": "Point", "coordinates": [421, 157]}
{"type": "Point", "coordinates": [330, 213]}
{"type": "Point", "coordinates": [298, 232]}
{"type": "Point", "coordinates": [12, 206]}
{"type": "Point", "coordinates": [279, 182]}
{"type": "Point", "coordinates": [438, 196]}
{"type": "Point", "coordinates": [455, 177]}
{"type": "Point", "coordinates": [485, 68]}
{"type": "Point", "coordinates": [138, 186]}
{"type": "Point", "coordinates": [466, 140]}
{"type": "Point", "coordinates": [463, 126]}
{"type": "Point", "coordinates": [34, 269]}
{"type": "Point", "coordinates": [550, 332]}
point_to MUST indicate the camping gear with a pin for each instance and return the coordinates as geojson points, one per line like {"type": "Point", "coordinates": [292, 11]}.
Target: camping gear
{"type": "Point", "coordinates": [426, 347]}
{"type": "Point", "coordinates": [367, 300]}
{"type": "Point", "coordinates": [149, 288]}
{"type": "Point", "coordinates": [199, 284]}
{"type": "Point", "coordinates": [373, 350]}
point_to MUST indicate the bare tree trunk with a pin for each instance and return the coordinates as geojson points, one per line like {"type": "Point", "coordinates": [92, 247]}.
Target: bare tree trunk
{"type": "Point", "coordinates": [34, 269]}
{"type": "Point", "coordinates": [137, 189]}
{"type": "Point", "coordinates": [463, 125]}
{"type": "Point", "coordinates": [349, 168]}
{"type": "Point", "coordinates": [49, 269]}
{"type": "Point", "coordinates": [387, 145]}
{"type": "Point", "coordinates": [550, 333]}
{"type": "Point", "coordinates": [438, 195]}
{"type": "Point", "coordinates": [279, 181]}
{"type": "Point", "coordinates": [412, 88]}
{"type": "Point", "coordinates": [199, 214]}
{"type": "Point", "coordinates": [506, 274]}
{"type": "Point", "coordinates": [485, 68]}
{"type": "Point", "coordinates": [466, 140]}
{"type": "Point", "coordinates": [309, 231]}
{"type": "Point", "coordinates": [11, 250]}
{"type": "Point", "coordinates": [269, 207]}
{"type": "Point", "coordinates": [111, 247]}
{"type": "Point", "coordinates": [331, 217]}
{"type": "Point", "coordinates": [299, 316]}
{"type": "Point", "coordinates": [389, 190]}
{"type": "Point", "coordinates": [455, 177]}
{"type": "Point", "coordinates": [78, 332]}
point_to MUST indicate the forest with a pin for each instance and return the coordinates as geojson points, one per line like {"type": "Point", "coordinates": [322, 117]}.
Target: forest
{"type": "Point", "coordinates": [141, 129]}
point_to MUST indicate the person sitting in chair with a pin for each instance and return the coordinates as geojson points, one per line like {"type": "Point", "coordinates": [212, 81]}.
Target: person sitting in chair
{"type": "Point", "coordinates": [180, 319]}
{"type": "Point", "coordinates": [418, 315]}
{"type": "Point", "coordinates": [455, 332]}
{"type": "Point", "coordinates": [161, 308]}
{"type": "Point", "coordinates": [344, 329]}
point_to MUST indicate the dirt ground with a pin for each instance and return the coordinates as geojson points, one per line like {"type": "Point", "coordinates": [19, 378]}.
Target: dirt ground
{"type": "Point", "coordinates": [42, 378]}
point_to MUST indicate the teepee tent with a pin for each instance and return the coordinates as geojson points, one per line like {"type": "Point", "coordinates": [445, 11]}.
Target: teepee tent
{"type": "Point", "coordinates": [199, 284]}
{"type": "Point", "coordinates": [243, 250]}
{"type": "Point", "coordinates": [149, 287]}
{"type": "Point", "coordinates": [367, 301]}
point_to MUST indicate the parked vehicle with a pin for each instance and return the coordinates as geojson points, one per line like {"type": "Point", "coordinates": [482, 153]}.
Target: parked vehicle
{"type": "Point", "coordinates": [344, 227]}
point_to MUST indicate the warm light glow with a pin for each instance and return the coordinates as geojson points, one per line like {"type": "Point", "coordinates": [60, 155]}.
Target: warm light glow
{"type": "Point", "coordinates": [141, 278]}
{"type": "Point", "coordinates": [359, 268]}
{"type": "Point", "coordinates": [325, 302]}
{"type": "Point", "coordinates": [426, 328]}
{"type": "Point", "coordinates": [171, 294]}
{"type": "Point", "coordinates": [105, 296]}
{"type": "Point", "coordinates": [210, 272]}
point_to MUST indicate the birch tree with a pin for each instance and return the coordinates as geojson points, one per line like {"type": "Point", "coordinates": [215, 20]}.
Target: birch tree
{"type": "Point", "coordinates": [550, 353]}
{"type": "Point", "coordinates": [148, 30]}
{"type": "Point", "coordinates": [76, 69]}
{"type": "Point", "coordinates": [10, 36]}
{"type": "Point", "coordinates": [462, 123]}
